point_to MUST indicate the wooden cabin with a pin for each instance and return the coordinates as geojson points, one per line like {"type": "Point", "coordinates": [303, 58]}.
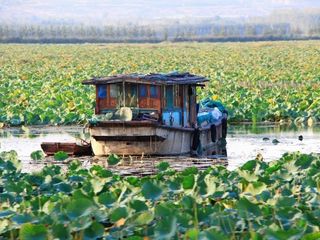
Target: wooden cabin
{"type": "Point", "coordinates": [164, 115]}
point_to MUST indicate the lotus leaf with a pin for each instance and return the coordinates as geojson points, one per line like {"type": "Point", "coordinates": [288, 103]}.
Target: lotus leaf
{"type": "Point", "coordinates": [95, 231]}
{"type": "Point", "coordinates": [151, 191]}
{"type": "Point", "coordinates": [118, 214]}
{"type": "Point", "coordinates": [78, 208]}
{"type": "Point", "coordinates": [107, 199]}
{"type": "Point", "coordinates": [248, 209]}
{"type": "Point", "coordinates": [6, 214]}
{"type": "Point", "coordinates": [60, 156]}
{"type": "Point", "coordinates": [163, 166]}
{"type": "Point", "coordinates": [29, 231]}
{"type": "Point", "coordinates": [60, 231]}
{"type": "Point", "coordinates": [188, 182]}
{"type": "Point", "coordinates": [138, 205]}
{"type": "Point", "coordinates": [143, 218]}
{"type": "Point", "coordinates": [113, 159]}
{"type": "Point", "coordinates": [37, 155]}
{"type": "Point", "coordinates": [212, 234]}
{"type": "Point", "coordinates": [22, 218]}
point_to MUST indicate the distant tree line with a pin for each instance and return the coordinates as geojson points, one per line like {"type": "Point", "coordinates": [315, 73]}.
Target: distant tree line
{"type": "Point", "coordinates": [282, 26]}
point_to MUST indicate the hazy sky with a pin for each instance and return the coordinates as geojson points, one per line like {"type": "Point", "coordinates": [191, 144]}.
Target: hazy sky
{"type": "Point", "coordinates": [43, 11]}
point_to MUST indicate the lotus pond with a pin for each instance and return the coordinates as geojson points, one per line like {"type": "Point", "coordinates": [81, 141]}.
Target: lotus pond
{"type": "Point", "coordinates": [277, 81]}
{"type": "Point", "coordinates": [277, 198]}
{"type": "Point", "coordinates": [259, 200]}
{"type": "Point", "coordinates": [271, 199]}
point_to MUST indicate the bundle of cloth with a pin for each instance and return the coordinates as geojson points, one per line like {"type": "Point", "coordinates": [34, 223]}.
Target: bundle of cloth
{"type": "Point", "coordinates": [209, 112]}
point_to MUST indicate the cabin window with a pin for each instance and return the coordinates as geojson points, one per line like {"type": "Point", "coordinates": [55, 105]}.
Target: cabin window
{"type": "Point", "coordinates": [154, 91]}
{"type": "Point", "coordinates": [169, 96]}
{"type": "Point", "coordinates": [102, 92]}
{"type": "Point", "coordinates": [143, 91]}
{"type": "Point", "coordinates": [131, 95]}
{"type": "Point", "coordinates": [114, 90]}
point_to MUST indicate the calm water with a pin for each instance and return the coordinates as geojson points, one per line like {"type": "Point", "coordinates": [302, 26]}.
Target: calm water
{"type": "Point", "coordinates": [244, 142]}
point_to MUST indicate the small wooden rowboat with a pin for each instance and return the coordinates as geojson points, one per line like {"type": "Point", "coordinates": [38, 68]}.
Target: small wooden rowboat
{"type": "Point", "coordinates": [72, 149]}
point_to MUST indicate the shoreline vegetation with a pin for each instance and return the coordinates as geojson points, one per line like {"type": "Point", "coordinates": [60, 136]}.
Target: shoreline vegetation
{"type": "Point", "coordinates": [285, 24]}
{"type": "Point", "coordinates": [273, 200]}
{"type": "Point", "coordinates": [160, 41]}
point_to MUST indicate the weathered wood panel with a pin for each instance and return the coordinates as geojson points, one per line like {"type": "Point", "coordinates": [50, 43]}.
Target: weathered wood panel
{"type": "Point", "coordinates": [106, 103]}
{"type": "Point", "coordinates": [157, 140]}
{"type": "Point", "coordinates": [148, 100]}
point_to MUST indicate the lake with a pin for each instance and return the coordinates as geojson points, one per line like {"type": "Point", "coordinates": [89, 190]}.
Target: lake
{"type": "Point", "coordinates": [244, 142]}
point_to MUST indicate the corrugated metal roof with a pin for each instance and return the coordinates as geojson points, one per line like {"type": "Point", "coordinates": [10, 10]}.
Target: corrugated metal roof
{"type": "Point", "coordinates": [156, 78]}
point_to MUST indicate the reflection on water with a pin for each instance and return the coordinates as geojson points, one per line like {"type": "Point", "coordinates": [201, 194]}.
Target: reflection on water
{"type": "Point", "coordinates": [244, 142]}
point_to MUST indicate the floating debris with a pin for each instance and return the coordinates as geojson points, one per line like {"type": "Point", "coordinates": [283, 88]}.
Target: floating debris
{"type": "Point", "coordinates": [275, 141]}
{"type": "Point", "coordinates": [259, 157]}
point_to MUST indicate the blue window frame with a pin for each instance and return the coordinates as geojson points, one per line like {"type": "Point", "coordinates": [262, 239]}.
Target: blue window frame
{"type": "Point", "coordinates": [143, 91]}
{"type": "Point", "coordinates": [169, 96]}
{"type": "Point", "coordinates": [102, 91]}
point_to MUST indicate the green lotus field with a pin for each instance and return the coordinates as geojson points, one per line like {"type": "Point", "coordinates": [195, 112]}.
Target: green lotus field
{"type": "Point", "coordinates": [279, 200]}
{"type": "Point", "coordinates": [276, 81]}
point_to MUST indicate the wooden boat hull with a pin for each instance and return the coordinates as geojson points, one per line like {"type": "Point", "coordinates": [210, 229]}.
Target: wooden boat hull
{"type": "Point", "coordinates": [148, 138]}
{"type": "Point", "coordinates": [72, 149]}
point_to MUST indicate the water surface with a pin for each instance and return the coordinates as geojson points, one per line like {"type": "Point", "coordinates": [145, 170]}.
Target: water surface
{"type": "Point", "coordinates": [244, 142]}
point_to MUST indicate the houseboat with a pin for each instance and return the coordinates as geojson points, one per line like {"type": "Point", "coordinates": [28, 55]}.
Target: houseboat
{"type": "Point", "coordinates": [155, 115]}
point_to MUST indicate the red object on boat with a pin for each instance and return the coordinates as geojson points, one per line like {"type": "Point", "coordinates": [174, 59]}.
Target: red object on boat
{"type": "Point", "coordinates": [72, 149]}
